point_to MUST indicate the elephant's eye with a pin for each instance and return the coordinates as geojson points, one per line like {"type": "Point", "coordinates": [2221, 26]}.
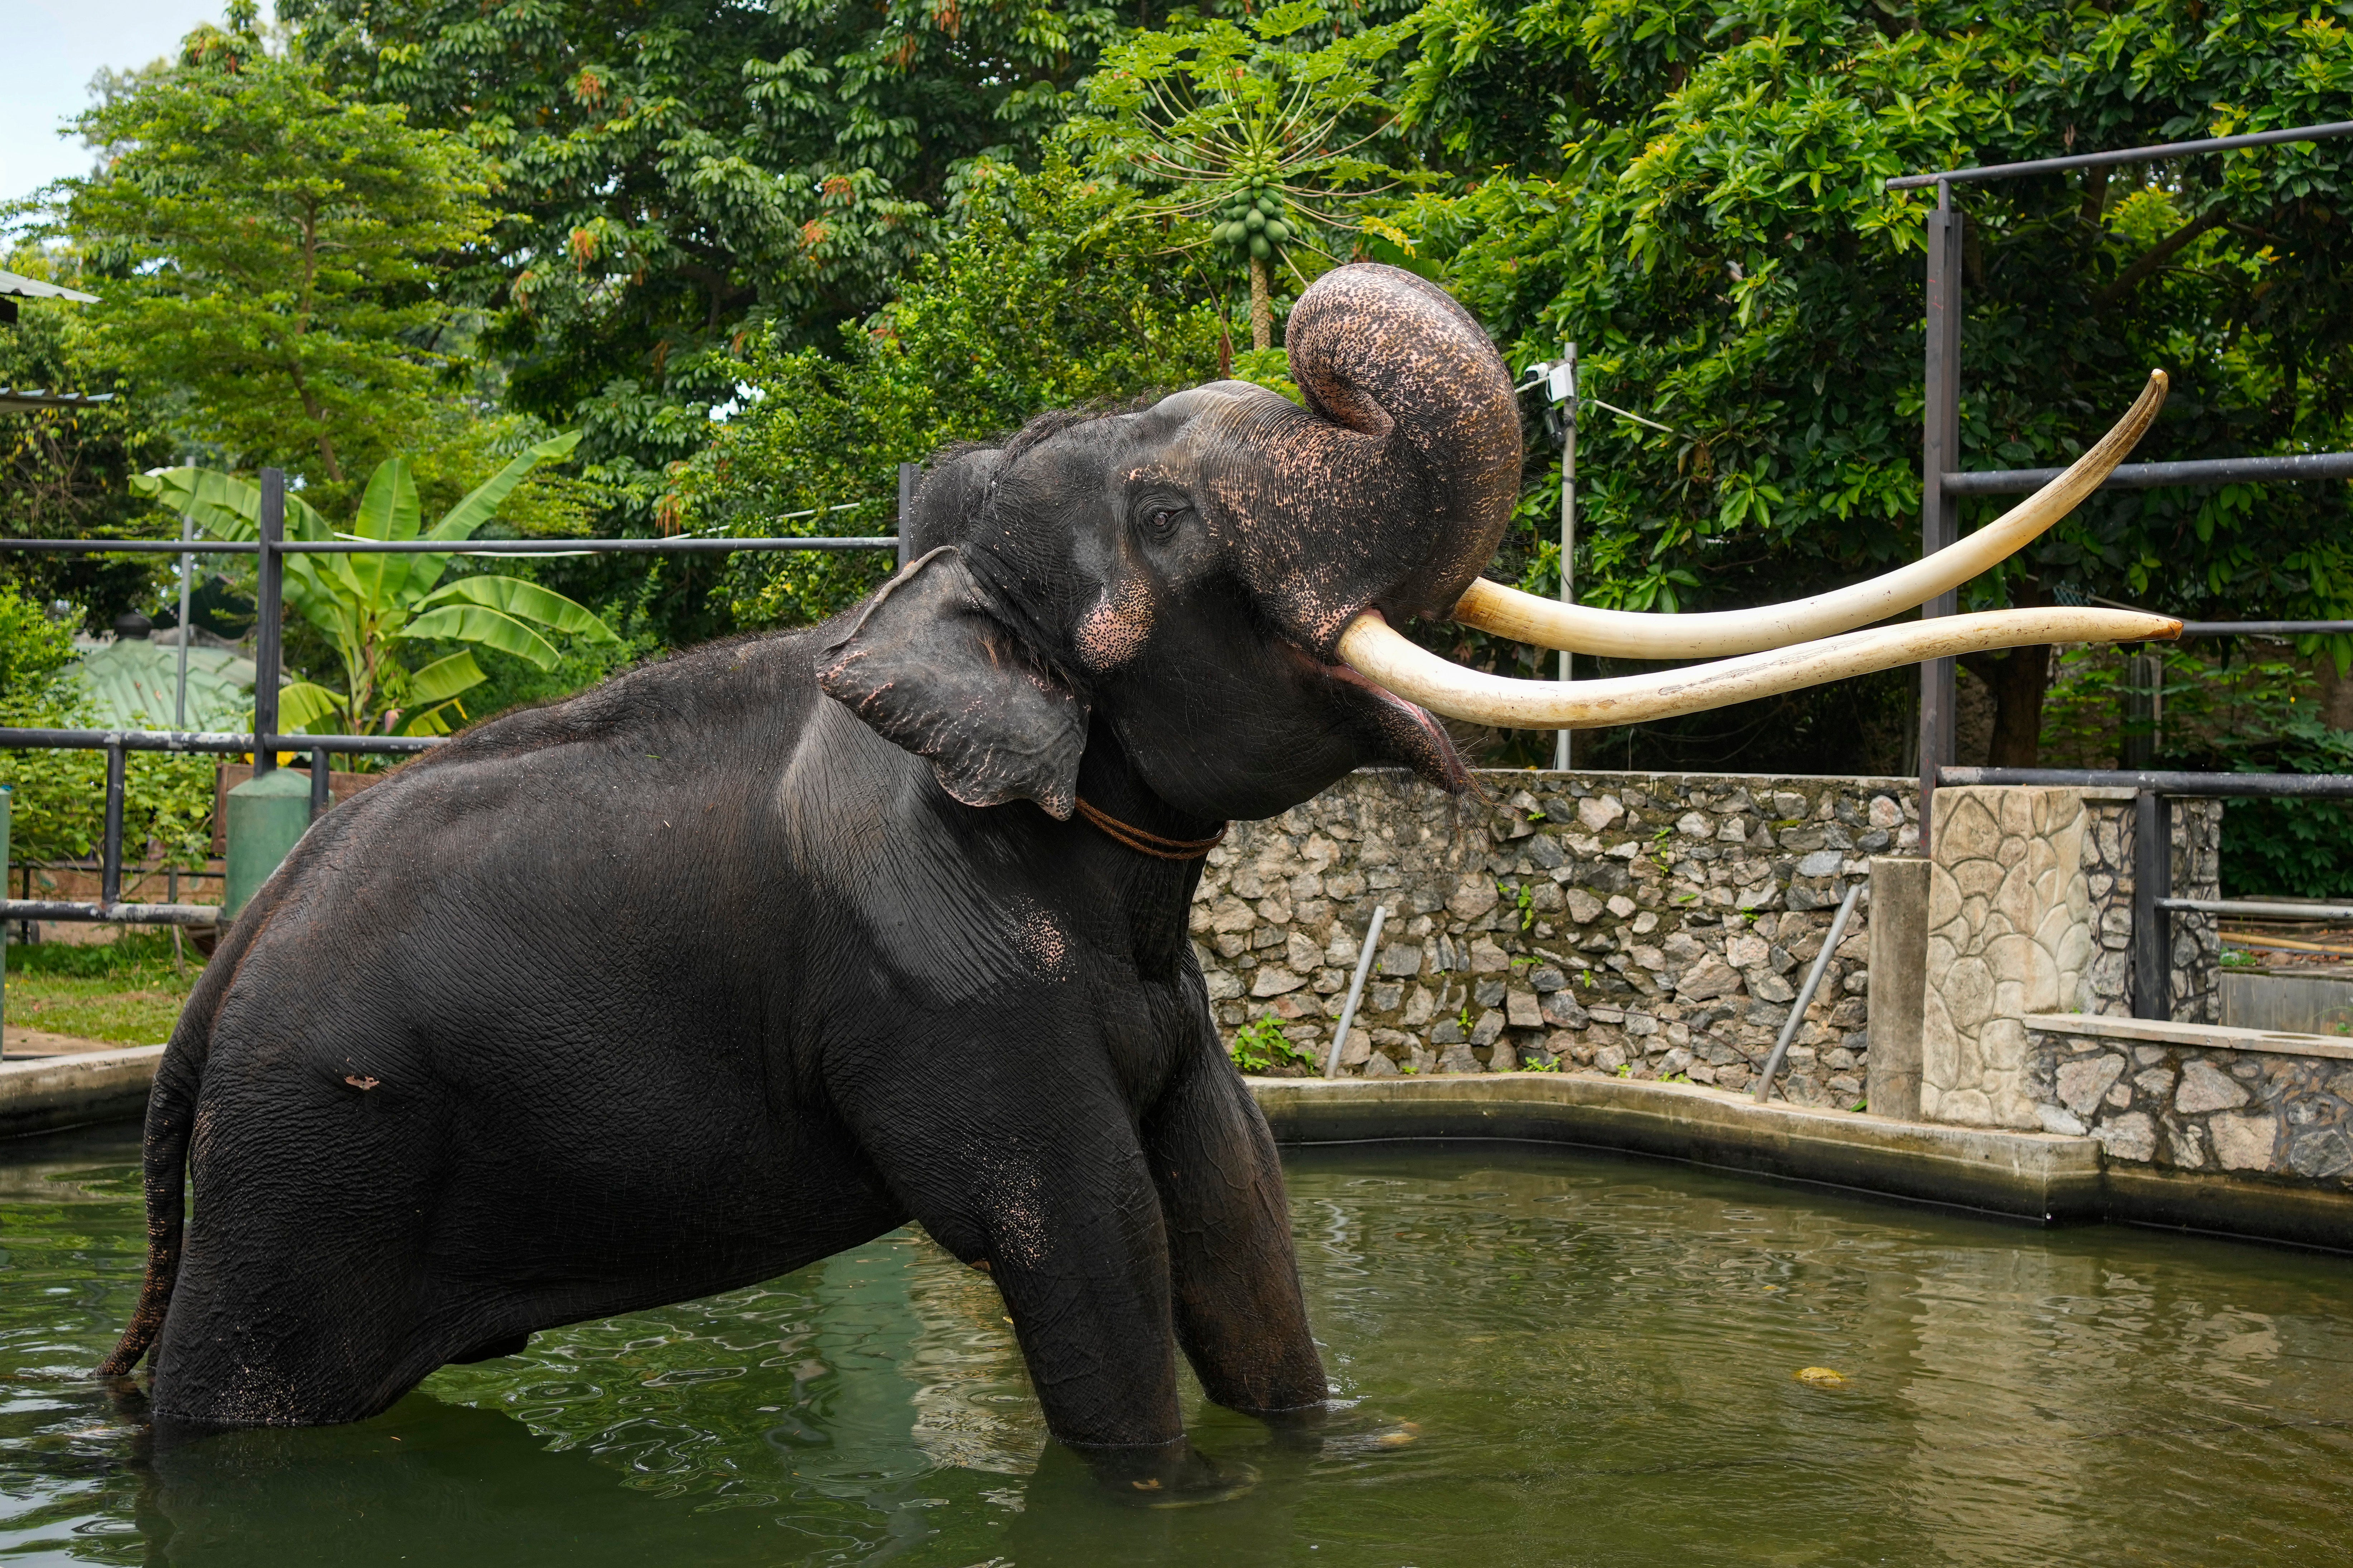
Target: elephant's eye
{"type": "Point", "coordinates": [1157, 519]}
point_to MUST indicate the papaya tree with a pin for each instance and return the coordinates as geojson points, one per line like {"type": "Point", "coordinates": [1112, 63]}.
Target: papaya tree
{"type": "Point", "coordinates": [1250, 143]}
{"type": "Point", "coordinates": [370, 608]}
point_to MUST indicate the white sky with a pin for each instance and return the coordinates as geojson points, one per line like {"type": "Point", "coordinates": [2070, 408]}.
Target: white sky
{"type": "Point", "coordinates": [48, 51]}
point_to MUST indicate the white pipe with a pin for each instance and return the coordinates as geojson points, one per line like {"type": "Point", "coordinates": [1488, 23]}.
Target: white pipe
{"type": "Point", "coordinates": [1355, 990]}
{"type": "Point", "coordinates": [1374, 650]}
{"type": "Point", "coordinates": [1620, 633]}
{"type": "Point", "coordinates": [1805, 997]}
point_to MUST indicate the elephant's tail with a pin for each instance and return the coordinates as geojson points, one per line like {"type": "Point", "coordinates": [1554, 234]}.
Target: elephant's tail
{"type": "Point", "coordinates": [171, 1112]}
{"type": "Point", "coordinates": [171, 1121]}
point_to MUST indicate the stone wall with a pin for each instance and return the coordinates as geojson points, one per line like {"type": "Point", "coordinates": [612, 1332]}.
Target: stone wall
{"type": "Point", "coordinates": [1654, 925]}
{"type": "Point", "coordinates": [2030, 910]}
{"type": "Point", "coordinates": [2197, 1097]}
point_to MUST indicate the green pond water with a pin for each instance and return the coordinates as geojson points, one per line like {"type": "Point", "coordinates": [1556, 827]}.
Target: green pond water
{"type": "Point", "coordinates": [1596, 1357]}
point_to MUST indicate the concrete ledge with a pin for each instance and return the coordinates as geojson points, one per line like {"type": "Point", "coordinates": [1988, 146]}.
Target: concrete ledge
{"type": "Point", "coordinates": [2035, 1176]}
{"type": "Point", "coordinates": [49, 1092]}
{"type": "Point", "coordinates": [2199, 1037]}
{"type": "Point", "coordinates": [2028, 1175]}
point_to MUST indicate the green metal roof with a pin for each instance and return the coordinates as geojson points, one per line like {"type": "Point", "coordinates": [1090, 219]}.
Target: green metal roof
{"type": "Point", "coordinates": [131, 684]}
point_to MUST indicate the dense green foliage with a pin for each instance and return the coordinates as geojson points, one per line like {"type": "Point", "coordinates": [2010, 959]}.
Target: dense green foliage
{"type": "Point", "coordinates": [683, 177]}
{"type": "Point", "coordinates": [66, 473]}
{"type": "Point", "coordinates": [1693, 194]}
{"type": "Point", "coordinates": [269, 249]}
{"type": "Point", "coordinates": [369, 608]}
{"type": "Point", "coordinates": [58, 811]}
{"type": "Point", "coordinates": [1016, 315]}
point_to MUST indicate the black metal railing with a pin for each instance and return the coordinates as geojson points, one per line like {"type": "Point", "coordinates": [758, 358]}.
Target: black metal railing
{"type": "Point", "coordinates": [264, 742]}
{"type": "Point", "coordinates": [2154, 904]}
{"type": "Point", "coordinates": [1944, 483]}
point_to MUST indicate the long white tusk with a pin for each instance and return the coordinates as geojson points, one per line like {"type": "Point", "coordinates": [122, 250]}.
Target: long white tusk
{"type": "Point", "coordinates": [1524, 618]}
{"type": "Point", "coordinates": [1374, 650]}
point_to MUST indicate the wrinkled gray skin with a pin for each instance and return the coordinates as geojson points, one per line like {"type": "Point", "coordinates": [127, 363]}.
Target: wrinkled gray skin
{"type": "Point", "coordinates": [748, 957]}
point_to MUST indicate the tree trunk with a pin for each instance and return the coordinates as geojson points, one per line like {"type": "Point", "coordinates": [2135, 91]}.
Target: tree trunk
{"type": "Point", "coordinates": [1262, 305]}
{"type": "Point", "coordinates": [2018, 680]}
{"type": "Point", "coordinates": [2336, 693]}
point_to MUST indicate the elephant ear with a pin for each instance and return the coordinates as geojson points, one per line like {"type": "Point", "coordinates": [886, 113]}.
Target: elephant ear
{"type": "Point", "coordinates": [933, 665]}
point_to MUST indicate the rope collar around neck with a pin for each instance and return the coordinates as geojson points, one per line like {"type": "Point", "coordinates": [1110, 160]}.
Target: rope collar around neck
{"type": "Point", "coordinates": [1150, 844]}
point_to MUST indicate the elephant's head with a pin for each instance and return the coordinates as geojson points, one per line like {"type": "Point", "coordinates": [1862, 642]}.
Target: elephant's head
{"type": "Point", "coordinates": [1185, 572]}
{"type": "Point", "coordinates": [1217, 576]}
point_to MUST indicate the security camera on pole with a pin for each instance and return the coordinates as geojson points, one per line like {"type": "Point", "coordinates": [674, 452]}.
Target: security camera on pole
{"type": "Point", "coordinates": [1559, 379]}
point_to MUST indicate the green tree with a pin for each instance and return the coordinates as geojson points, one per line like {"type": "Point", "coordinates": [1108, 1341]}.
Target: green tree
{"type": "Point", "coordinates": [269, 249]}
{"type": "Point", "coordinates": [59, 808]}
{"type": "Point", "coordinates": [65, 473]}
{"type": "Point", "coordinates": [687, 177]}
{"type": "Point", "coordinates": [1695, 195]}
{"type": "Point", "coordinates": [1018, 314]}
{"type": "Point", "coordinates": [371, 607]}
{"type": "Point", "coordinates": [1264, 140]}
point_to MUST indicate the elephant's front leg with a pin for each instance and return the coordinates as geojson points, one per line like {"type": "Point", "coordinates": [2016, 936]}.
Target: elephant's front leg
{"type": "Point", "coordinates": [1239, 1314]}
{"type": "Point", "coordinates": [1047, 1189]}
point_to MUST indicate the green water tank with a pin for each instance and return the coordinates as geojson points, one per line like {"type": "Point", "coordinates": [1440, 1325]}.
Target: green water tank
{"type": "Point", "coordinates": [267, 817]}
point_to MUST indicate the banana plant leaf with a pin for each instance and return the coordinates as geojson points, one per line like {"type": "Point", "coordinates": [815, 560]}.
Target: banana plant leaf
{"type": "Point", "coordinates": [461, 521]}
{"type": "Point", "coordinates": [527, 600]}
{"type": "Point", "coordinates": [444, 678]}
{"type": "Point", "coordinates": [490, 628]}
{"type": "Point", "coordinates": [304, 704]}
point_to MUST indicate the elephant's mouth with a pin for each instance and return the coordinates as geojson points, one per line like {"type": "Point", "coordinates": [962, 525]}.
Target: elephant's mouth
{"type": "Point", "coordinates": [1411, 732]}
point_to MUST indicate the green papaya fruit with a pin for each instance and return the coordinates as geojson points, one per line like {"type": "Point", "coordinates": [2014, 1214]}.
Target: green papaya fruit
{"type": "Point", "coordinates": [1277, 230]}
{"type": "Point", "coordinates": [1260, 247]}
{"type": "Point", "coordinates": [1255, 222]}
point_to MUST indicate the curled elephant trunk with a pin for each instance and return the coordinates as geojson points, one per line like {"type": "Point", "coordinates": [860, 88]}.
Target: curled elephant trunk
{"type": "Point", "coordinates": [1805, 642]}
{"type": "Point", "coordinates": [1393, 487]}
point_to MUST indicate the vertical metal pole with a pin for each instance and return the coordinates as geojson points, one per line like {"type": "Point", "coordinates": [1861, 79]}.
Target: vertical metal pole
{"type": "Point", "coordinates": [1355, 991]}
{"type": "Point", "coordinates": [2144, 675]}
{"type": "Point", "coordinates": [320, 780]}
{"type": "Point", "coordinates": [187, 571]}
{"type": "Point", "coordinates": [1562, 749]}
{"type": "Point", "coordinates": [1940, 451]}
{"type": "Point", "coordinates": [267, 645]}
{"type": "Point", "coordinates": [110, 867]}
{"type": "Point", "coordinates": [907, 472]}
{"type": "Point", "coordinates": [1772, 1067]}
{"type": "Point", "coordinates": [7, 802]}
{"type": "Point", "coordinates": [2152, 935]}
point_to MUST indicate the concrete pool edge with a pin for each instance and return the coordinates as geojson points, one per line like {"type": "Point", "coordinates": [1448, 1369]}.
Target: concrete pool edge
{"type": "Point", "coordinates": [2043, 1178]}
{"type": "Point", "coordinates": [43, 1094]}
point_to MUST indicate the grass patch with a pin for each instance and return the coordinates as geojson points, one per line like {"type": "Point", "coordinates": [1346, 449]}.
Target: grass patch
{"type": "Point", "coordinates": [124, 991]}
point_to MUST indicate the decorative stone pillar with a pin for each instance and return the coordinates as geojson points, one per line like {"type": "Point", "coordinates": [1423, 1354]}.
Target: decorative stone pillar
{"type": "Point", "coordinates": [2010, 933]}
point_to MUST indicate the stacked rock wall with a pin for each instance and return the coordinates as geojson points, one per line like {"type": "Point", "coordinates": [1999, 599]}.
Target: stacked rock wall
{"type": "Point", "coordinates": [1655, 925]}
{"type": "Point", "coordinates": [2199, 1098]}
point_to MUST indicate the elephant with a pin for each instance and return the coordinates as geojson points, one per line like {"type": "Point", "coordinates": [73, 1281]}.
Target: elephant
{"type": "Point", "coordinates": [746, 957]}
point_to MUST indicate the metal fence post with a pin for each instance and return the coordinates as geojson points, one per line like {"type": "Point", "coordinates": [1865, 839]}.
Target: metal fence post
{"type": "Point", "coordinates": [907, 473]}
{"type": "Point", "coordinates": [2152, 937]}
{"type": "Point", "coordinates": [1564, 390]}
{"type": "Point", "coordinates": [320, 796]}
{"type": "Point", "coordinates": [7, 802]}
{"type": "Point", "coordinates": [109, 865]}
{"type": "Point", "coordinates": [2144, 680]}
{"type": "Point", "coordinates": [270, 632]}
{"type": "Point", "coordinates": [187, 572]}
{"type": "Point", "coordinates": [1940, 454]}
